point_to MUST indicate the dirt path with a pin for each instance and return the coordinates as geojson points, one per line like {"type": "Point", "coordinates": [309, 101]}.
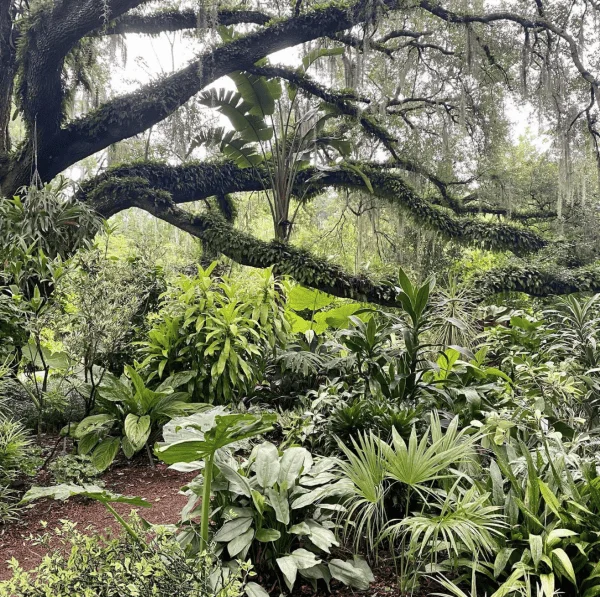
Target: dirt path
{"type": "Point", "coordinates": [159, 487]}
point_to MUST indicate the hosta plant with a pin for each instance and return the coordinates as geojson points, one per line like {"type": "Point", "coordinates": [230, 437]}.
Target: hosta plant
{"type": "Point", "coordinates": [278, 509]}
{"type": "Point", "coordinates": [129, 414]}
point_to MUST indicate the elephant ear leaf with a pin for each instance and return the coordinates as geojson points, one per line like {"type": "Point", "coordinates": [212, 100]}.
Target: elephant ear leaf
{"type": "Point", "coordinates": [137, 430]}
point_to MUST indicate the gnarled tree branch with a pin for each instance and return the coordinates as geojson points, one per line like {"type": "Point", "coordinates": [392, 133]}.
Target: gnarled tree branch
{"type": "Point", "coordinates": [179, 20]}
{"type": "Point", "coordinates": [197, 181]}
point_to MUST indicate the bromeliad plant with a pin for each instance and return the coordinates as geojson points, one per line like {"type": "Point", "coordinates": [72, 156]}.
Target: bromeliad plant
{"type": "Point", "coordinates": [130, 413]}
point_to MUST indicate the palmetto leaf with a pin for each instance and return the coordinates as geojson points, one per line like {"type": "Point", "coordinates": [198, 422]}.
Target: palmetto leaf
{"type": "Point", "coordinates": [419, 462]}
{"type": "Point", "coordinates": [463, 522]}
{"type": "Point", "coordinates": [365, 467]}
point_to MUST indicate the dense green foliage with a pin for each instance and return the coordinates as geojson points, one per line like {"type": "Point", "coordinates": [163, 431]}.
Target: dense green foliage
{"type": "Point", "coordinates": [326, 291]}
{"type": "Point", "coordinates": [121, 567]}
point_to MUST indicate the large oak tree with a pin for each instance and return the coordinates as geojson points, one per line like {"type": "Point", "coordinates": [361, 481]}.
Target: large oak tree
{"type": "Point", "coordinates": [432, 67]}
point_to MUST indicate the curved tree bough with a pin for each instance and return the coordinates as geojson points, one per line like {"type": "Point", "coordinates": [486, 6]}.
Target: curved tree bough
{"type": "Point", "coordinates": [247, 250]}
{"type": "Point", "coordinates": [318, 273]}
{"type": "Point", "coordinates": [192, 182]}
{"type": "Point", "coordinates": [538, 281]}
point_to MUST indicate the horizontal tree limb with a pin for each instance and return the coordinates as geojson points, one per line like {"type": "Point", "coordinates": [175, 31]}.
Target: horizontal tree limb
{"type": "Point", "coordinates": [244, 249]}
{"type": "Point", "coordinates": [192, 182]}
{"type": "Point", "coordinates": [179, 20]}
{"type": "Point", "coordinates": [133, 113]}
{"type": "Point", "coordinates": [538, 281]}
{"type": "Point", "coordinates": [318, 273]}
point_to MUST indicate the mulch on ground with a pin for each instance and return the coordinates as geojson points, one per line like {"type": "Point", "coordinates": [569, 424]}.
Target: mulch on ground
{"type": "Point", "coordinates": [160, 487]}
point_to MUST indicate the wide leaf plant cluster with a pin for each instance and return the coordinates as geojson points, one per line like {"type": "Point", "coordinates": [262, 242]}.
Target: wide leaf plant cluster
{"type": "Point", "coordinates": [129, 413]}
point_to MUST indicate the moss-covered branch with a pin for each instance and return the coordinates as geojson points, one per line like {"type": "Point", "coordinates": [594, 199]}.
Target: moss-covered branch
{"type": "Point", "coordinates": [223, 238]}
{"type": "Point", "coordinates": [197, 181]}
{"type": "Point", "coordinates": [178, 20]}
{"type": "Point", "coordinates": [134, 113]}
{"type": "Point", "coordinates": [538, 281]}
{"type": "Point", "coordinates": [53, 29]}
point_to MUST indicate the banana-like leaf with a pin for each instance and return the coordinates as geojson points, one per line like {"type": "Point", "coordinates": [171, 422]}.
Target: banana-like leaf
{"type": "Point", "coordinates": [261, 93]}
{"type": "Point", "coordinates": [238, 151]}
{"type": "Point", "coordinates": [250, 127]}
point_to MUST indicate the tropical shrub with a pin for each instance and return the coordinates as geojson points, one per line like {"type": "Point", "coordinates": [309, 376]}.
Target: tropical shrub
{"type": "Point", "coordinates": [204, 436]}
{"type": "Point", "coordinates": [274, 508]}
{"type": "Point", "coordinates": [405, 493]}
{"type": "Point", "coordinates": [129, 413]}
{"type": "Point", "coordinates": [202, 327]}
{"type": "Point", "coordinates": [18, 458]}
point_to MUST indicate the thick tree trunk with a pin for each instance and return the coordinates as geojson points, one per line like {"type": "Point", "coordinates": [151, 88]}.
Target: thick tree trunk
{"type": "Point", "coordinates": [7, 73]}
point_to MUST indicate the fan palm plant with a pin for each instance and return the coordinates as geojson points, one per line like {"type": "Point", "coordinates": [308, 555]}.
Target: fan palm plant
{"type": "Point", "coordinates": [410, 473]}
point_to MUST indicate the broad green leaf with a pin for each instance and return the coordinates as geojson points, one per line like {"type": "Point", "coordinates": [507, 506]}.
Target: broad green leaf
{"type": "Point", "coordinates": [317, 53]}
{"type": "Point", "coordinates": [560, 558]}
{"type": "Point", "coordinates": [92, 424]}
{"type": "Point", "coordinates": [342, 487]}
{"type": "Point", "coordinates": [241, 542]}
{"type": "Point", "coordinates": [257, 91]}
{"type": "Point", "coordinates": [351, 574]}
{"type": "Point", "coordinates": [547, 581]}
{"type": "Point", "coordinates": [549, 497]}
{"type": "Point", "coordinates": [105, 452]}
{"type": "Point", "coordinates": [502, 559]}
{"type": "Point", "coordinates": [301, 298]}
{"type": "Point", "coordinates": [128, 448]}
{"type": "Point", "coordinates": [304, 559]}
{"type": "Point", "coordinates": [321, 537]}
{"type": "Point", "coordinates": [279, 502]}
{"type": "Point", "coordinates": [87, 443]}
{"type": "Point", "coordinates": [254, 590]}
{"type": "Point", "coordinates": [137, 430]}
{"type": "Point", "coordinates": [288, 567]}
{"type": "Point", "coordinates": [299, 529]}
{"type": "Point", "coordinates": [93, 492]}
{"type": "Point", "coordinates": [293, 462]}
{"type": "Point", "coordinates": [267, 535]}
{"type": "Point", "coordinates": [237, 483]}
{"type": "Point", "coordinates": [536, 546]}
{"type": "Point", "coordinates": [266, 464]}
{"type": "Point", "coordinates": [232, 529]}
